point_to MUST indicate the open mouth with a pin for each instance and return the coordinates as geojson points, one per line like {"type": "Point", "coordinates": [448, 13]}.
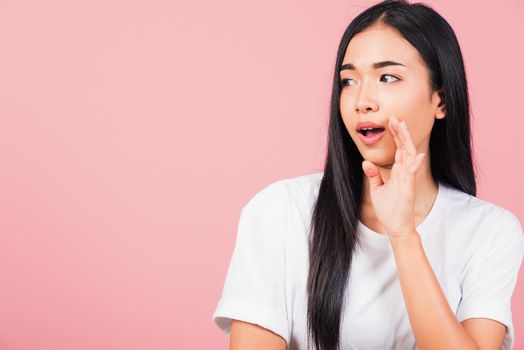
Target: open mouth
{"type": "Point", "coordinates": [370, 136]}
{"type": "Point", "coordinates": [370, 131]}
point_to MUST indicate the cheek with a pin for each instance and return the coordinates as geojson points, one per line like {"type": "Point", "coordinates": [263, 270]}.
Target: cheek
{"type": "Point", "coordinates": [403, 100]}
{"type": "Point", "coordinates": [414, 108]}
{"type": "Point", "coordinates": [348, 117]}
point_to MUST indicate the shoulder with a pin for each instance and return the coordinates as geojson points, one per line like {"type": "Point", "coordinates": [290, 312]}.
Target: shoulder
{"type": "Point", "coordinates": [486, 215]}
{"type": "Point", "coordinates": [275, 198]}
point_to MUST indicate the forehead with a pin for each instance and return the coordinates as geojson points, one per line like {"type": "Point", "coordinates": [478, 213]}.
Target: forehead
{"type": "Point", "coordinates": [380, 44]}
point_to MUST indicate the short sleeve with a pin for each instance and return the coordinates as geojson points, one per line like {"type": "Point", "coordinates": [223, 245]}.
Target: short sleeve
{"type": "Point", "coordinates": [492, 275]}
{"type": "Point", "coordinates": [254, 290]}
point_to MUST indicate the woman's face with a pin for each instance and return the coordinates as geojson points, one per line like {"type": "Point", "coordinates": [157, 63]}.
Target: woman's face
{"type": "Point", "coordinates": [375, 94]}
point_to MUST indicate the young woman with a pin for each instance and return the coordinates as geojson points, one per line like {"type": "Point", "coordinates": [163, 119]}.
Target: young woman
{"type": "Point", "coordinates": [388, 247]}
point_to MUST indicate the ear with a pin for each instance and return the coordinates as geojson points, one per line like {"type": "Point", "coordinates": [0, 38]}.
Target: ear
{"type": "Point", "coordinates": [438, 97]}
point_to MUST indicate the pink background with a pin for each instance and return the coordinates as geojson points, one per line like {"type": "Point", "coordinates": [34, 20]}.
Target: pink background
{"type": "Point", "coordinates": [132, 132]}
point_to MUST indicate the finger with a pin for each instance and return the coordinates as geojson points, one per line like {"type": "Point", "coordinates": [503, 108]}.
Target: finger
{"type": "Point", "coordinates": [411, 151]}
{"type": "Point", "coordinates": [406, 138]}
{"type": "Point", "coordinates": [396, 173]}
{"type": "Point", "coordinates": [402, 144]}
{"type": "Point", "coordinates": [396, 137]}
{"type": "Point", "coordinates": [371, 171]}
{"type": "Point", "coordinates": [395, 130]}
{"type": "Point", "coordinates": [417, 163]}
{"type": "Point", "coordinates": [398, 156]}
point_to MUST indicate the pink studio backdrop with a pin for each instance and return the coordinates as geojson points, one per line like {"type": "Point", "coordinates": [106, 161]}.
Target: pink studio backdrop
{"type": "Point", "coordinates": [132, 132]}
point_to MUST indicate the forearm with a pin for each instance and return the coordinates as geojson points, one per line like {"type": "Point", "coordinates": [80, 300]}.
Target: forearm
{"type": "Point", "coordinates": [433, 322]}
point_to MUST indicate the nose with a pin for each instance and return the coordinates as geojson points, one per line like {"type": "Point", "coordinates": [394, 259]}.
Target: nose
{"type": "Point", "coordinates": [366, 100]}
{"type": "Point", "coordinates": [367, 105]}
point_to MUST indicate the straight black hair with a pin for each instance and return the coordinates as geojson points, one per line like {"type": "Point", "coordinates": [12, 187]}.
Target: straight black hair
{"type": "Point", "coordinates": [333, 230]}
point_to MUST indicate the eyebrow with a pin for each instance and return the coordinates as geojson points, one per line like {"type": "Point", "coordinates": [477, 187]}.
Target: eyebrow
{"type": "Point", "coordinates": [376, 65]}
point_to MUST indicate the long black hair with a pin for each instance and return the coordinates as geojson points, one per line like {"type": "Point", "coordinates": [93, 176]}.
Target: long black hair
{"type": "Point", "coordinates": [333, 229]}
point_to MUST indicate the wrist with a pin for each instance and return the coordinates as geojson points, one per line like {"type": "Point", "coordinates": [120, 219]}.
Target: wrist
{"type": "Point", "coordinates": [404, 237]}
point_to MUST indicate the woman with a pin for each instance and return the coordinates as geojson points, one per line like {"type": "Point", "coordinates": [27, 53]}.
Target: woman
{"type": "Point", "coordinates": [388, 247]}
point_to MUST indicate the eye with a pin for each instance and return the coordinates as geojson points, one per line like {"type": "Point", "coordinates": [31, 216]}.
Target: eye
{"type": "Point", "coordinates": [389, 75]}
{"type": "Point", "coordinates": [344, 82]}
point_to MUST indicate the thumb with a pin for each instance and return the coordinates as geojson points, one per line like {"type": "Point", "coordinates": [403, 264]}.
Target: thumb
{"type": "Point", "coordinates": [371, 171]}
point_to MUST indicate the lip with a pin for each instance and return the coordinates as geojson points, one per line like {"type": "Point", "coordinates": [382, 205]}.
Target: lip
{"type": "Point", "coordinates": [361, 125]}
{"type": "Point", "coordinates": [371, 139]}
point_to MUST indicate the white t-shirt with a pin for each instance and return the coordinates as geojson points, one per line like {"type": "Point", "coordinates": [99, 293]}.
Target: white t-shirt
{"type": "Point", "coordinates": [475, 249]}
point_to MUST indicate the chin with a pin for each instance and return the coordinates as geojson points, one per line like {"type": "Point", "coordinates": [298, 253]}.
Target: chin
{"type": "Point", "coordinates": [379, 158]}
